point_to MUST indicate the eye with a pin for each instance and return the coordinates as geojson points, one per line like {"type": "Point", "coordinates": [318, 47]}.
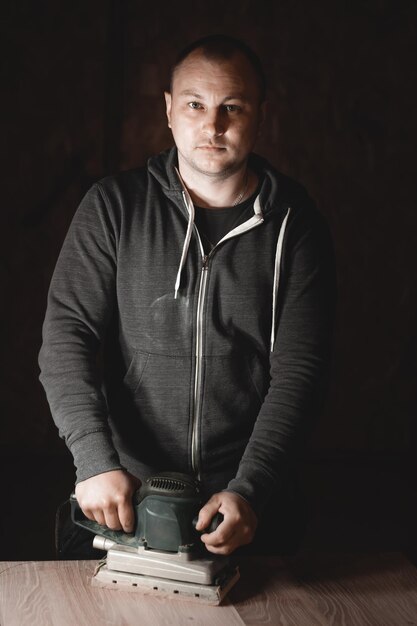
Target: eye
{"type": "Point", "coordinates": [195, 105]}
{"type": "Point", "coordinates": [232, 108]}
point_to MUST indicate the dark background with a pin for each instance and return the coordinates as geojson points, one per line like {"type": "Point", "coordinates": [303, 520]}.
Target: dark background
{"type": "Point", "coordinates": [82, 97]}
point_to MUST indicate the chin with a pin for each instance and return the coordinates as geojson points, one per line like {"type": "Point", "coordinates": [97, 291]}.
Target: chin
{"type": "Point", "coordinates": [215, 167]}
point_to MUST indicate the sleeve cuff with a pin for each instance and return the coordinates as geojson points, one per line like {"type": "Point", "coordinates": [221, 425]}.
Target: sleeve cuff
{"type": "Point", "coordinates": [256, 489]}
{"type": "Point", "coordinates": [94, 453]}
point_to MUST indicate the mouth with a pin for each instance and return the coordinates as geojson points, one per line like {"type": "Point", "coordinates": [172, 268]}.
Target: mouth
{"type": "Point", "coordinates": [211, 148]}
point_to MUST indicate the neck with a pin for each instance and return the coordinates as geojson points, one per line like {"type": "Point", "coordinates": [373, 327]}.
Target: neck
{"type": "Point", "coordinates": [216, 192]}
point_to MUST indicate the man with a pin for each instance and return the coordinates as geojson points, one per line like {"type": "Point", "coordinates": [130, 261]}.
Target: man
{"type": "Point", "coordinates": [209, 276]}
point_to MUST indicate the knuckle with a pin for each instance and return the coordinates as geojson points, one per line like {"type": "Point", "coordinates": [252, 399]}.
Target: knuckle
{"type": "Point", "coordinates": [220, 536]}
{"type": "Point", "coordinates": [246, 530]}
{"type": "Point", "coordinates": [103, 504]}
{"type": "Point", "coordinates": [238, 518]}
{"type": "Point", "coordinates": [247, 535]}
{"type": "Point", "coordinates": [120, 498]}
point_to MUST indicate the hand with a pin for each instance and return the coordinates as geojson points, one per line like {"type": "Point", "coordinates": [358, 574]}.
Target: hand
{"type": "Point", "coordinates": [237, 528]}
{"type": "Point", "coordinates": [107, 499]}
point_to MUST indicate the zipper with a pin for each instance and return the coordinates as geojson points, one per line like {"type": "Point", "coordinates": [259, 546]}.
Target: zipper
{"type": "Point", "coordinates": [254, 221]}
{"type": "Point", "coordinates": [198, 368]}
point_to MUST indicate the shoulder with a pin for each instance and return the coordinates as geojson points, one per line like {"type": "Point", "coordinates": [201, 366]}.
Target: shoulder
{"type": "Point", "coordinates": [123, 184]}
{"type": "Point", "coordinates": [158, 174]}
{"type": "Point", "coordinates": [282, 196]}
{"type": "Point", "coordinates": [280, 192]}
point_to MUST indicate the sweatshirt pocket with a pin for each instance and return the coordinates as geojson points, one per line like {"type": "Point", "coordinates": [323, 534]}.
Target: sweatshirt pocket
{"type": "Point", "coordinates": [235, 383]}
{"type": "Point", "coordinates": [234, 389]}
{"type": "Point", "coordinates": [159, 390]}
{"type": "Point", "coordinates": [136, 370]}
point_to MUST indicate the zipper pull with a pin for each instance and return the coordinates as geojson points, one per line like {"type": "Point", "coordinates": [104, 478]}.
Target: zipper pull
{"type": "Point", "coordinates": [205, 261]}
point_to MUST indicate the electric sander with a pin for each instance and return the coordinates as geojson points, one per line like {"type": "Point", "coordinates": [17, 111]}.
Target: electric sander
{"type": "Point", "coordinates": [164, 555]}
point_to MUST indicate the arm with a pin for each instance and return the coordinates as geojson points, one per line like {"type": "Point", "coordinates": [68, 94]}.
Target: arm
{"type": "Point", "coordinates": [81, 300]}
{"type": "Point", "coordinates": [80, 304]}
{"type": "Point", "coordinates": [299, 367]}
{"type": "Point", "coordinates": [300, 362]}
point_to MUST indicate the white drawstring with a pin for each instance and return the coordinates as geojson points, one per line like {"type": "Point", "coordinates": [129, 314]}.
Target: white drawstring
{"type": "Point", "coordinates": [190, 208]}
{"type": "Point", "coordinates": [278, 256]}
{"type": "Point", "coordinates": [259, 219]}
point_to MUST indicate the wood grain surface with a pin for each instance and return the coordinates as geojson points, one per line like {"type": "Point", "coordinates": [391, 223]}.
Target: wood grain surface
{"type": "Point", "coordinates": [330, 590]}
{"type": "Point", "coordinates": [310, 590]}
{"type": "Point", "coordinates": [58, 593]}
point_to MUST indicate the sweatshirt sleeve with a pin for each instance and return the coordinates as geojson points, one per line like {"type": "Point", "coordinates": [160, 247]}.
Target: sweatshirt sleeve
{"type": "Point", "coordinates": [81, 300]}
{"type": "Point", "coordinates": [299, 363]}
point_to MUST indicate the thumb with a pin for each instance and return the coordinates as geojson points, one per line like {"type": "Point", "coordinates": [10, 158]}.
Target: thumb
{"type": "Point", "coordinates": [207, 512]}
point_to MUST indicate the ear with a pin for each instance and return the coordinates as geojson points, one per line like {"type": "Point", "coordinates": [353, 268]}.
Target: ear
{"type": "Point", "coordinates": [168, 102]}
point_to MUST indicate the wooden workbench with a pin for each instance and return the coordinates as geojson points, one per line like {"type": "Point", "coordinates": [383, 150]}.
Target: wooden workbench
{"type": "Point", "coordinates": [378, 589]}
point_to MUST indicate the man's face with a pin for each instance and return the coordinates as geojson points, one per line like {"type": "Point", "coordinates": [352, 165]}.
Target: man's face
{"type": "Point", "coordinates": [214, 112]}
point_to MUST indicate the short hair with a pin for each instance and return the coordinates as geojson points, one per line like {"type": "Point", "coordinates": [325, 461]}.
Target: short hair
{"type": "Point", "coordinates": [222, 47]}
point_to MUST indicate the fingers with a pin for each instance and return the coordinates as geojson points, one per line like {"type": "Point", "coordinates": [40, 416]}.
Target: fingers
{"type": "Point", "coordinates": [207, 513]}
{"type": "Point", "coordinates": [126, 515]}
{"type": "Point", "coordinates": [228, 537]}
{"type": "Point", "coordinates": [114, 518]}
{"type": "Point", "coordinates": [223, 536]}
{"type": "Point", "coordinates": [107, 499]}
{"type": "Point", "coordinates": [94, 516]}
{"type": "Point", "coordinates": [237, 528]}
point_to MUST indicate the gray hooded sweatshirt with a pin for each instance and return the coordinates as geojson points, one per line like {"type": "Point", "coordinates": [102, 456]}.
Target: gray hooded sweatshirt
{"type": "Point", "coordinates": [158, 357]}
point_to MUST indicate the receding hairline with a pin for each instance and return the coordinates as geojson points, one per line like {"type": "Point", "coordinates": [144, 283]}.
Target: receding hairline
{"type": "Point", "coordinates": [221, 48]}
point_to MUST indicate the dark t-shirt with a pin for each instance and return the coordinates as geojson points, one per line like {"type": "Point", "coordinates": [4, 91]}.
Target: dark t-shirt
{"type": "Point", "coordinates": [214, 224]}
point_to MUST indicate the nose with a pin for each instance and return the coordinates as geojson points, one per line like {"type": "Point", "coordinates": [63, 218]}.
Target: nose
{"type": "Point", "coordinates": [214, 123]}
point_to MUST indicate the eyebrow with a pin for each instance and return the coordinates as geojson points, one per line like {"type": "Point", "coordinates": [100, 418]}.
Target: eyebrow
{"type": "Point", "coordinates": [188, 92]}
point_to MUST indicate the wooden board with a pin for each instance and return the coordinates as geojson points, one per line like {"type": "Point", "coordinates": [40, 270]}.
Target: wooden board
{"type": "Point", "coordinates": [330, 590]}
{"type": "Point", "coordinates": [310, 590]}
{"type": "Point", "coordinates": [59, 593]}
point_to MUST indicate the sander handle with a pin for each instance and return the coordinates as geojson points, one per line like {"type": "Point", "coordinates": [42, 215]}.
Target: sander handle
{"type": "Point", "coordinates": [216, 520]}
{"type": "Point", "coordinates": [80, 519]}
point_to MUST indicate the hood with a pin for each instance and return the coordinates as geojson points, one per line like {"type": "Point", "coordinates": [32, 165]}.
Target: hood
{"type": "Point", "coordinates": [275, 192]}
